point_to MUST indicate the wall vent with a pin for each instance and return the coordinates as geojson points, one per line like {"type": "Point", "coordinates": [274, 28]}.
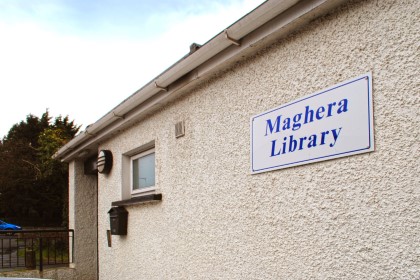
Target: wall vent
{"type": "Point", "coordinates": [179, 129]}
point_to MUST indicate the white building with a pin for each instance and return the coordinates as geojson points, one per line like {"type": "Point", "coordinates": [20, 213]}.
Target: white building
{"type": "Point", "coordinates": [210, 204]}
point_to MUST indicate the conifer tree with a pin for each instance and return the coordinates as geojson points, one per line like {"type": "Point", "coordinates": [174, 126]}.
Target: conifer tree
{"type": "Point", "coordinates": [33, 185]}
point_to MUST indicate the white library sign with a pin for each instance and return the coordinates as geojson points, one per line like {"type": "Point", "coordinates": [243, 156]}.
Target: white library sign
{"type": "Point", "coordinates": [335, 122]}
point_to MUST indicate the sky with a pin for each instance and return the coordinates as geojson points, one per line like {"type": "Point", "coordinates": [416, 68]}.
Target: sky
{"type": "Point", "coordinates": [82, 58]}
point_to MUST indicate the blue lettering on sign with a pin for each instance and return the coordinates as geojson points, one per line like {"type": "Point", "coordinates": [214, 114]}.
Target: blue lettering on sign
{"type": "Point", "coordinates": [290, 143]}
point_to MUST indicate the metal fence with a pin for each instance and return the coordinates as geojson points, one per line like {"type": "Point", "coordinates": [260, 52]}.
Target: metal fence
{"type": "Point", "coordinates": [33, 249]}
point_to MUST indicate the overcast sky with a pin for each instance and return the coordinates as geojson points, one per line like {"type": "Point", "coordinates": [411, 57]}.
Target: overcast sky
{"type": "Point", "coordinates": [82, 58]}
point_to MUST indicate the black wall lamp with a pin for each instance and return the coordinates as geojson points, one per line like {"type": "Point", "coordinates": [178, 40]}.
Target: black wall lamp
{"type": "Point", "coordinates": [104, 161]}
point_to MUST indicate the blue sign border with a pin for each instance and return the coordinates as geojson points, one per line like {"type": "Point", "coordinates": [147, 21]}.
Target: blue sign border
{"type": "Point", "coordinates": [369, 82]}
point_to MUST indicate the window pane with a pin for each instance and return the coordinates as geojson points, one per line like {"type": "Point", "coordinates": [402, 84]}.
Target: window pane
{"type": "Point", "coordinates": [144, 172]}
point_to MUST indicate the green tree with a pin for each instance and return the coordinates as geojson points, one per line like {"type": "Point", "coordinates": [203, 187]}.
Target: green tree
{"type": "Point", "coordinates": [33, 185]}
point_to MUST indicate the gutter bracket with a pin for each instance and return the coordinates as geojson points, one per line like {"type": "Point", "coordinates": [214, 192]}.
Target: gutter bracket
{"type": "Point", "coordinates": [118, 116]}
{"type": "Point", "coordinates": [88, 133]}
{"type": "Point", "coordinates": [160, 87]}
{"type": "Point", "coordinates": [234, 41]}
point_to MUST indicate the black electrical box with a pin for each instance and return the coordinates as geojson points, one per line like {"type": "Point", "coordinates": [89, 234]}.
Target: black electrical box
{"type": "Point", "coordinates": [118, 218]}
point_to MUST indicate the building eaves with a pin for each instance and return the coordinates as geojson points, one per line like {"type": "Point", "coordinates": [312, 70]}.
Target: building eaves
{"type": "Point", "coordinates": [272, 20]}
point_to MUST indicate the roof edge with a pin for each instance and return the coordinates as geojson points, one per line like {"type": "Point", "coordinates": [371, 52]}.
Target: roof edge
{"type": "Point", "coordinates": [287, 16]}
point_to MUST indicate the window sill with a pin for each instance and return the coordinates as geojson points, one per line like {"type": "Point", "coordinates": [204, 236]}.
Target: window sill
{"type": "Point", "coordinates": [138, 200]}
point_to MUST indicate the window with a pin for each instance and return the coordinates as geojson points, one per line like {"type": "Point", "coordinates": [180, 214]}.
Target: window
{"type": "Point", "coordinates": [143, 172]}
{"type": "Point", "coordinates": [139, 177]}
{"type": "Point", "coordinates": [138, 182]}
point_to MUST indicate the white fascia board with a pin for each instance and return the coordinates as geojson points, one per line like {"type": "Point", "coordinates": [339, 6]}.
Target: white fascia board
{"type": "Point", "coordinates": [270, 21]}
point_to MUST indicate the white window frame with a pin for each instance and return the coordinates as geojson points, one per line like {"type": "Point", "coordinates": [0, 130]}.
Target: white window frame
{"type": "Point", "coordinates": [144, 190]}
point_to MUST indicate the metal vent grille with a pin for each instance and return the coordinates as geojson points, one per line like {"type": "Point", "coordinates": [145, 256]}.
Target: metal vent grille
{"type": "Point", "coordinates": [179, 129]}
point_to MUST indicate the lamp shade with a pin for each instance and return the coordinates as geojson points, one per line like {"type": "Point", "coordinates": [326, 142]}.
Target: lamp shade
{"type": "Point", "coordinates": [104, 161]}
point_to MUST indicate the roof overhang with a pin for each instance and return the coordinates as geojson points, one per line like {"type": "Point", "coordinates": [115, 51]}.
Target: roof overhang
{"type": "Point", "coordinates": [271, 21]}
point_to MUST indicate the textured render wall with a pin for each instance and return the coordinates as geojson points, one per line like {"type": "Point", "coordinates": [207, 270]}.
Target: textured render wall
{"type": "Point", "coordinates": [82, 218]}
{"type": "Point", "coordinates": [351, 218]}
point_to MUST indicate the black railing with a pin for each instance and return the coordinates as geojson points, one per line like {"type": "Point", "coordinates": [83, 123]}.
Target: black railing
{"type": "Point", "coordinates": [35, 248]}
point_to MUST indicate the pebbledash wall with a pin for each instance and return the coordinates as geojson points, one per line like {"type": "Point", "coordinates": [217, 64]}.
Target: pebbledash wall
{"type": "Point", "coordinates": [354, 217]}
